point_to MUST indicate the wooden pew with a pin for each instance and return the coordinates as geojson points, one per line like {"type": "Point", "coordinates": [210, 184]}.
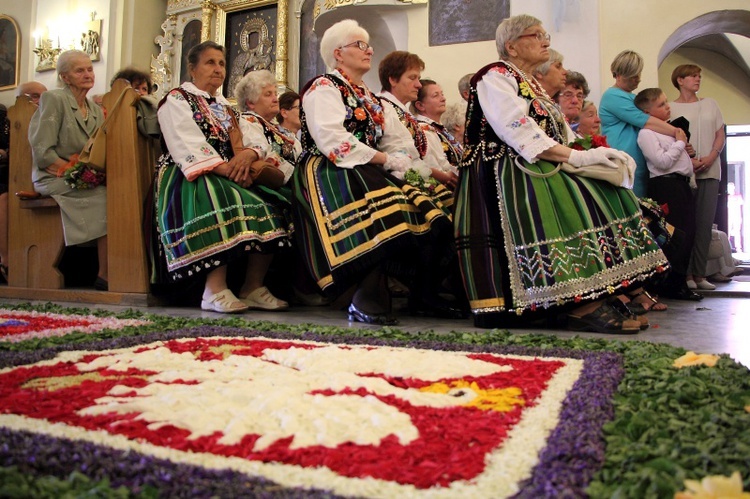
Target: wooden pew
{"type": "Point", "coordinates": [35, 235]}
{"type": "Point", "coordinates": [130, 165]}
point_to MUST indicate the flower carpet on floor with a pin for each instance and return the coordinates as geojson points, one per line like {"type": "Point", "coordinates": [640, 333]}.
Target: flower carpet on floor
{"type": "Point", "coordinates": [152, 406]}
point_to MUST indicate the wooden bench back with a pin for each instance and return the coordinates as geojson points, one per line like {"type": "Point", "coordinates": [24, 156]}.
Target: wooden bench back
{"type": "Point", "coordinates": [35, 237]}
{"type": "Point", "coordinates": [131, 160]}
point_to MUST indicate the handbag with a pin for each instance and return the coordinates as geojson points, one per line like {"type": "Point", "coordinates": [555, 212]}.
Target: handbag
{"type": "Point", "coordinates": [622, 176]}
{"type": "Point", "coordinates": [94, 152]}
{"type": "Point", "coordinates": [261, 172]}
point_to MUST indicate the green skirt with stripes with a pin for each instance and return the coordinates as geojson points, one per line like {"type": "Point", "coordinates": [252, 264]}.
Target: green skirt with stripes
{"type": "Point", "coordinates": [211, 221]}
{"type": "Point", "coordinates": [350, 220]}
{"type": "Point", "coordinates": [527, 242]}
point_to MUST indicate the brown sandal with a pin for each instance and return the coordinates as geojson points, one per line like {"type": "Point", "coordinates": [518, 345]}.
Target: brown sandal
{"type": "Point", "coordinates": [605, 319]}
{"type": "Point", "coordinates": [642, 302]}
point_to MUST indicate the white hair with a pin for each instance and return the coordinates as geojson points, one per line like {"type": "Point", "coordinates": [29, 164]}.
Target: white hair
{"type": "Point", "coordinates": [454, 115]}
{"type": "Point", "coordinates": [336, 36]}
{"type": "Point", "coordinates": [510, 29]}
{"type": "Point", "coordinates": [65, 62]}
{"type": "Point", "coordinates": [554, 57]}
{"type": "Point", "coordinates": [251, 86]}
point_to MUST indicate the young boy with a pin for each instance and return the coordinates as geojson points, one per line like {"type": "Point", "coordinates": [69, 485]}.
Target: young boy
{"type": "Point", "coordinates": [670, 170]}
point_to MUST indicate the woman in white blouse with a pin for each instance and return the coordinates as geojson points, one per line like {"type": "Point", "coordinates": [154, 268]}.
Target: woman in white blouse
{"type": "Point", "coordinates": [708, 138]}
{"type": "Point", "coordinates": [530, 237]}
{"type": "Point", "coordinates": [443, 150]}
{"type": "Point", "coordinates": [258, 100]}
{"type": "Point", "coordinates": [355, 220]}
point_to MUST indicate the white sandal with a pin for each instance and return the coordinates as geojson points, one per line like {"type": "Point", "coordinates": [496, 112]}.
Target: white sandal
{"type": "Point", "coordinates": [223, 302]}
{"type": "Point", "coordinates": [262, 299]}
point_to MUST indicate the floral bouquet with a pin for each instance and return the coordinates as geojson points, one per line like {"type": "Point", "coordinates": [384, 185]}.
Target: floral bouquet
{"type": "Point", "coordinates": [79, 175]}
{"type": "Point", "coordinates": [589, 142]}
{"type": "Point", "coordinates": [415, 179]}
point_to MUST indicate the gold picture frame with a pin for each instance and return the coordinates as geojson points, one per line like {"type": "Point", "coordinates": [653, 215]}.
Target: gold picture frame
{"type": "Point", "coordinates": [257, 36]}
{"type": "Point", "coordinates": [10, 49]}
{"type": "Point", "coordinates": [91, 39]}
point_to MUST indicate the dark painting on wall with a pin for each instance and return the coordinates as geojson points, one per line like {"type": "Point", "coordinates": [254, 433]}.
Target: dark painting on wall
{"type": "Point", "coordinates": [191, 36]}
{"type": "Point", "coordinates": [311, 64]}
{"type": "Point", "coordinates": [463, 21]}
{"type": "Point", "coordinates": [10, 42]}
{"type": "Point", "coordinates": [250, 43]}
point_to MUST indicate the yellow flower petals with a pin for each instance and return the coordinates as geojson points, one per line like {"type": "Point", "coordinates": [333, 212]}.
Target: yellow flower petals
{"type": "Point", "coordinates": [696, 359]}
{"type": "Point", "coordinates": [492, 399]}
{"type": "Point", "coordinates": [714, 487]}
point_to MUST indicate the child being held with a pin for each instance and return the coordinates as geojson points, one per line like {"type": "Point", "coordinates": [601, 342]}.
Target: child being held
{"type": "Point", "coordinates": [670, 172]}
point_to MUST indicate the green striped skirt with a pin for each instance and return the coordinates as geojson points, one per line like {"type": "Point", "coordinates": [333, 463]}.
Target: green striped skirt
{"type": "Point", "coordinates": [526, 242]}
{"type": "Point", "coordinates": [211, 221]}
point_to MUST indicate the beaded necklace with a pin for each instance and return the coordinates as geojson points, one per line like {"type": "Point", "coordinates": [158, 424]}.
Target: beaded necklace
{"type": "Point", "coordinates": [533, 83]}
{"type": "Point", "coordinates": [367, 99]}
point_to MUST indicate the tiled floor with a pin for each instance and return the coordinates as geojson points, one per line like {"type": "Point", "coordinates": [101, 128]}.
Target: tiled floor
{"type": "Point", "coordinates": [718, 324]}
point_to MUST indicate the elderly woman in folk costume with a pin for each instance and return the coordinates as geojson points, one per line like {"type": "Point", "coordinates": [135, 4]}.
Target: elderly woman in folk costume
{"type": "Point", "coordinates": [527, 240]}
{"type": "Point", "coordinates": [209, 211]}
{"type": "Point", "coordinates": [443, 150]}
{"type": "Point", "coordinates": [356, 221]}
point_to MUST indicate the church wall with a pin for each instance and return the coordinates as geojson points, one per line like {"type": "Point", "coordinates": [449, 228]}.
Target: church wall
{"type": "Point", "coordinates": [644, 26]}
{"type": "Point", "coordinates": [575, 35]}
{"type": "Point", "coordinates": [128, 31]}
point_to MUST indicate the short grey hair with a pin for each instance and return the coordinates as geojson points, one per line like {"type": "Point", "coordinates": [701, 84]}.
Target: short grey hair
{"type": "Point", "coordinates": [510, 29]}
{"type": "Point", "coordinates": [65, 63]}
{"type": "Point", "coordinates": [251, 86]}
{"type": "Point", "coordinates": [627, 64]}
{"type": "Point", "coordinates": [454, 115]}
{"type": "Point", "coordinates": [554, 57]}
{"type": "Point", "coordinates": [464, 84]}
{"type": "Point", "coordinates": [336, 36]}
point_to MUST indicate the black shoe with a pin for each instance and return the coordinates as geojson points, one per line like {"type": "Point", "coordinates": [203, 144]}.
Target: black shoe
{"type": "Point", "coordinates": [435, 306]}
{"type": "Point", "coordinates": [685, 293]}
{"type": "Point", "coordinates": [101, 285]}
{"type": "Point", "coordinates": [357, 315]}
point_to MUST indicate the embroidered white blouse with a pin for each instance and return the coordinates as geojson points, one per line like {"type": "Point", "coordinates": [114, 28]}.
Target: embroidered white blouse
{"type": "Point", "coordinates": [507, 113]}
{"type": "Point", "coordinates": [184, 139]}
{"type": "Point", "coordinates": [257, 139]}
{"type": "Point", "coordinates": [435, 155]}
{"type": "Point", "coordinates": [325, 114]}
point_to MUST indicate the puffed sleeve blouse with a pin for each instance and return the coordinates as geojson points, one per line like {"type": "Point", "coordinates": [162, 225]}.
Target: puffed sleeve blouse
{"type": "Point", "coordinates": [325, 114]}
{"type": "Point", "coordinates": [507, 113]}
{"type": "Point", "coordinates": [186, 141]}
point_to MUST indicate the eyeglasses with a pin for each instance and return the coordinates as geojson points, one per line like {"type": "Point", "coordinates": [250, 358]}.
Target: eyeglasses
{"type": "Point", "coordinates": [539, 35]}
{"type": "Point", "coordinates": [570, 95]}
{"type": "Point", "coordinates": [363, 46]}
{"type": "Point", "coordinates": [293, 107]}
{"type": "Point", "coordinates": [33, 96]}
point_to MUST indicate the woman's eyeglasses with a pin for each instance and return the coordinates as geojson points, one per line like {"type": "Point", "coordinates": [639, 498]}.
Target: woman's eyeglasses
{"type": "Point", "coordinates": [363, 46]}
{"type": "Point", "coordinates": [542, 37]}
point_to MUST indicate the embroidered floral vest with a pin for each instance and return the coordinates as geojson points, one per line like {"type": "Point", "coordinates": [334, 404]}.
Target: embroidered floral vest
{"type": "Point", "coordinates": [411, 124]}
{"type": "Point", "coordinates": [358, 121]}
{"type": "Point", "coordinates": [481, 140]}
{"type": "Point", "coordinates": [208, 119]}
{"type": "Point", "coordinates": [452, 149]}
{"type": "Point", "coordinates": [282, 144]}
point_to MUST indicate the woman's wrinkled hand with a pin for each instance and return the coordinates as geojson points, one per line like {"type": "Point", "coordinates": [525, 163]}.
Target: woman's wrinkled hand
{"type": "Point", "coordinates": [448, 179]}
{"type": "Point", "coordinates": [239, 167]}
